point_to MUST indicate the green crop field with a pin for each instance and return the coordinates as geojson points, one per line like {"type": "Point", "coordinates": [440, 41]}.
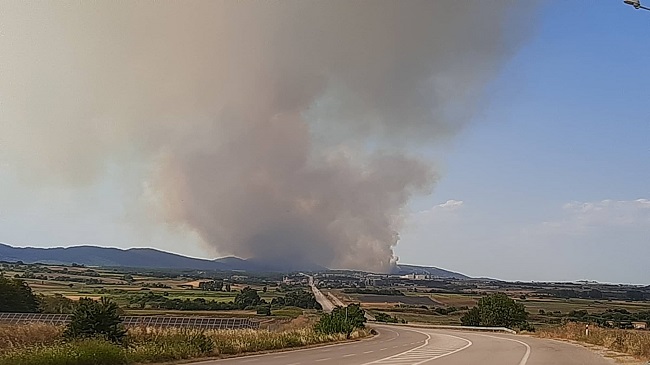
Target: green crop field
{"type": "Point", "coordinates": [131, 290]}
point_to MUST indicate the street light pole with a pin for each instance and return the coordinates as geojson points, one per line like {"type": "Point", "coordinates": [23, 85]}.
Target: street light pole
{"type": "Point", "coordinates": [636, 4]}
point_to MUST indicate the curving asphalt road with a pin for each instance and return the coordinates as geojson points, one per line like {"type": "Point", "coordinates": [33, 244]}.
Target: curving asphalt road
{"type": "Point", "coordinates": [397, 345]}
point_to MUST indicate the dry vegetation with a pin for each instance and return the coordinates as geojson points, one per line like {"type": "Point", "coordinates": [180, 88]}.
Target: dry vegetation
{"type": "Point", "coordinates": [28, 335]}
{"type": "Point", "coordinates": [43, 344]}
{"type": "Point", "coordinates": [632, 342]}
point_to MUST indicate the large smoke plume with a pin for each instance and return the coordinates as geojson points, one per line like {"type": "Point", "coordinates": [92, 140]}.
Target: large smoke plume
{"type": "Point", "coordinates": [280, 130]}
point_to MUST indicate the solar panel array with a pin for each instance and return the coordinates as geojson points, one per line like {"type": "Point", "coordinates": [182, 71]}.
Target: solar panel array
{"type": "Point", "coordinates": [191, 322]}
{"type": "Point", "coordinates": [134, 321]}
{"type": "Point", "coordinates": [15, 318]}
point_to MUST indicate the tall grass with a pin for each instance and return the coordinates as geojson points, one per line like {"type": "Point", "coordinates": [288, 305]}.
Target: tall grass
{"type": "Point", "coordinates": [167, 344]}
{"type": "Point", "coordinates": [88, 352]}
{"type": "Point", "coordinates": [16, 337]}
{"type": "Point", "coordinates": [148, 345]}
{"type": "Point", "coordinates": [631, 342]}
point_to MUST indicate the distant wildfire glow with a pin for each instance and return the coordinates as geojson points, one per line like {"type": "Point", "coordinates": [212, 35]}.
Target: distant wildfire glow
{"type": "Point", "coordinates": [279, 130]}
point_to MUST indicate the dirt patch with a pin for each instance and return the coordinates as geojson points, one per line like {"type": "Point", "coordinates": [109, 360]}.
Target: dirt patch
{"type": "Point", "coordinates": [618, 357]}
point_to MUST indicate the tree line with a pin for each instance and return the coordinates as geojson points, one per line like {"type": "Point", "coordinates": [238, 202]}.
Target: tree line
{"type": "Point", "coordinates": [16, 296]}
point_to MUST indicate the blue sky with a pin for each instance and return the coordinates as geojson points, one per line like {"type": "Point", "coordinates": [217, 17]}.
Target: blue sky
{"type": "Point", "coordinates": [568, 120]}
{"type": "Point", "coordinates": [549, 181]}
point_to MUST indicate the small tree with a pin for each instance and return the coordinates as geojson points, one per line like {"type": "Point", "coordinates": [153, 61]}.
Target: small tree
{"type": "Point", "coordinates": [96, 319]}
{"type": "Point", "coordinates": [57, 304]}
{"type": "Point", "coordinates": [17, 296]}
{"type": "Point", "coordinates": [497, 310]}
{"type": "Point", "coordinates": [342, 320]}
{"type": "Point", "coordinates": [247, 298]}
{"type": "Point", "coordinates": [264, 310]}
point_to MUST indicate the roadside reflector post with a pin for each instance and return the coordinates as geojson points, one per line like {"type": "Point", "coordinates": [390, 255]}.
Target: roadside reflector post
{"type": "Point", "coordinates": [586, 330]}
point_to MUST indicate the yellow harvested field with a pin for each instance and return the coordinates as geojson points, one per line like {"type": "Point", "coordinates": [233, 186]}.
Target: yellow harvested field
{"type": "Point", "coordinates": [194, 283]}
{"type": "Point", "coordinates": [77, 297]}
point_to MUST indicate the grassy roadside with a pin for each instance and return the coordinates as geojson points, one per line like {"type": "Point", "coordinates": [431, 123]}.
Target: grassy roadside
{"type": "Point", "coordinates": [43, 345]}
{"type": "Point", "coordinates": [631, 342]}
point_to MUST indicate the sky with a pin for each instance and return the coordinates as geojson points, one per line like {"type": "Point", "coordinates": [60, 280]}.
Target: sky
{"type": "Point", "coordinates": [553, 181]}
{"type": "Point", "coordinates": [550, 180]}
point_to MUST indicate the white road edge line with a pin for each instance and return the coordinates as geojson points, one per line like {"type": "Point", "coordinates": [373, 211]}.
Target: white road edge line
{"type": "Point", "coordinates": [524, 360]}
{"type": "Point", "coordinates": [426, 342]}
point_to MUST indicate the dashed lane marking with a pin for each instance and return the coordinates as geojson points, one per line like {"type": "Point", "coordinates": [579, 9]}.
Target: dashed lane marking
{"type": "Point", "coordinates": [427, 351]}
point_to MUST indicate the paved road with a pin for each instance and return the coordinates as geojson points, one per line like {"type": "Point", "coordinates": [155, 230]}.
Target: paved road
{"type": "Point", "coordinates": [327, 305]}
{"type": "Point", "coordinates": [335, 300]}
{"type": "Point", "coordinates": [415, 346]}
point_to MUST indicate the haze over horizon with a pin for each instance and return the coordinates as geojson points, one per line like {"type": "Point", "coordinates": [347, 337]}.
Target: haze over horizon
{"type": "Point", "coordinates": [479, 136]}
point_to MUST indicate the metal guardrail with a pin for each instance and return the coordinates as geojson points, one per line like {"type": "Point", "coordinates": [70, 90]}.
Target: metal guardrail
{"type": "Point", "coordinates": [134, 321]}
{"type": "Point", "coordinates": [458, 328]}
{"type": "Point", "coordinates": [472, 328]}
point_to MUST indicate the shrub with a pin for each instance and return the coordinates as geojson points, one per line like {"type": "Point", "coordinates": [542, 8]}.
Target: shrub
{"type": "Point", "coordinates": [386, 318]}
{"type": "Point", "coordinates": [57, 304]}
{"type": "Point", "coordinates": [497, 310]}
{"type": "Point", "coordinates": [264, 310]}
{"type": "Point", "coordinates": [247, 298]}
{"type": "Point", "coordinates": [471, 318]}
{"type": "Point", "coordinates": [96, 319]}
{"type": "Point", "coordinates": [342, 320]}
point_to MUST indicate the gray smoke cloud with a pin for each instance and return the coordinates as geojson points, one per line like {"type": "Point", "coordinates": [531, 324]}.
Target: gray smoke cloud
{"type": "Point", "coordinates": [280, 130]}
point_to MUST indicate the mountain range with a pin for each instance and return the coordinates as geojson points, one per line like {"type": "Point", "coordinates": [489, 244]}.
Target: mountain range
{"type": "Point", "coordinates": [155, 259]}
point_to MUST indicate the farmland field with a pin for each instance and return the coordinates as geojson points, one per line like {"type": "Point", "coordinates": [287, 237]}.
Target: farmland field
{"type": "Point", "coordinates": [396, 299]}
{"type": "Point", "coordinates": [141, 294]}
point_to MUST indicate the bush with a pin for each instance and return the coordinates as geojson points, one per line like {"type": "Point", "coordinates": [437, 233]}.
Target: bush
{"type": "Point", "coordinates": [264, 310]}
{"type": "Point", "coordinates": [386, 318]}
{"type": "Point", "coordinates": [471, 318]}
{"type": "Point", "coordinates": [497, 310]}
{"type": "Point", "coordinates": [56, 304]}
{"type": "Point", "coordinates": [247, 298]}
{"type": "Point", "coordinates": [342, 320]}
{"type": "Point", "coordinates": [96, 319]}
